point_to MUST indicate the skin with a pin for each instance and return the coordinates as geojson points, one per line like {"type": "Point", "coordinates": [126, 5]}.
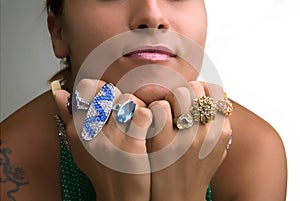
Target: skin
{"type": "Point", "coordinates": [254, 168]}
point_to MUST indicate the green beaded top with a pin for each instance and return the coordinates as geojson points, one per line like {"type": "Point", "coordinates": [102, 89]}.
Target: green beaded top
{"type": "Point", "coordinates": [75, 185]}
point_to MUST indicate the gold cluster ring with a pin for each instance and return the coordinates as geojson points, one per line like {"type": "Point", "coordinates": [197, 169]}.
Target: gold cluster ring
{"type": "Point", "coordinates": [203, 110]}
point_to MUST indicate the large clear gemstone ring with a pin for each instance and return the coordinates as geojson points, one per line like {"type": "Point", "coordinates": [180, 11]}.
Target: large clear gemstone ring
{"type": "Point", "coordinates": [184, 121]}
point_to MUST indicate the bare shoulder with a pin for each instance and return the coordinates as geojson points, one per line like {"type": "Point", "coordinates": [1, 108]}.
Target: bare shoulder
{"type": "Point", "coordinates": [255, 167]}
{"type": "Point", "coordinates": [30, 152]}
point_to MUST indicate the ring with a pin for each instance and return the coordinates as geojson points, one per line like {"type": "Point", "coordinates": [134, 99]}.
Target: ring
{"type": "Point", "coordinates": [98, 112]}
{"type": "Point", "coordinates": [125, 111]}
{"type": "Point", "coordinates": [229, 142]}
{"type": "Point", "coordinates": [225, 106]}
{"type": "Point", "coordinates": [184, 121]}
{"type": "Point", "coordinates": [81, 103]}
{"type": "Point", "coordinates": [203, 109]}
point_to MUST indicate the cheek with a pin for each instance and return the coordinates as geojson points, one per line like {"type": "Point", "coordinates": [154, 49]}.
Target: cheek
{"type": "Point", "coordinates": [83, 34]}
{"type": "Point", "coordinates": [194, 25]}
{"type": "Point", "coordinates": [197, 30]}
{"type": "Point", "coordinates": [82, 39]}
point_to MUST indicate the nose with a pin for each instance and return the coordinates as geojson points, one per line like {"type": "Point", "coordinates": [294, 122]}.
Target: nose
{"type": "Point", "coordinates": [147, 14]}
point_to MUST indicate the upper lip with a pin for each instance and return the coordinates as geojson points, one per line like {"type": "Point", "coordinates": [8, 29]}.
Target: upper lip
{"type": "Point", "coordinates": [152, 49]}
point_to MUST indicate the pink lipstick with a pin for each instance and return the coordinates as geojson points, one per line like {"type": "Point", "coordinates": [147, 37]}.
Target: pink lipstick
{"type": "Point", "coordinates": [152, 53]}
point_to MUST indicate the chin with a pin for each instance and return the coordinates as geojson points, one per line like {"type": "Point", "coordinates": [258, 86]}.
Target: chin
{"type": "Point", "coordinates": [151, 93]}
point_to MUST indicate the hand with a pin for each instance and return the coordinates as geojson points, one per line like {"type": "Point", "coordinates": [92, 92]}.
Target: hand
{"type": "Point", "coordinates": [188, 158]}
{"type": "Point", "coordinates": [109, 182]}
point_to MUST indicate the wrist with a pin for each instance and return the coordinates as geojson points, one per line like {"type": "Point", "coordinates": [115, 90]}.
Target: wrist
{"type": "Point", "coordinates": [132, 187]}
{"type": "Point", "coordinates": [159, 194]}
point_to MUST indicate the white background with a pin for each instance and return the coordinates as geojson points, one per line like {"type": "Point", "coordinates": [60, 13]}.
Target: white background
{"type": "Point", "coordinates": [255, 45]}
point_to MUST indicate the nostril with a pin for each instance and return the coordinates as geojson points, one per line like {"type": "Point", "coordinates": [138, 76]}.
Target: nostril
{"type": "Point", "coordinates": [160, 26]}
{"type": "Point", "coordinates": [143, 26]}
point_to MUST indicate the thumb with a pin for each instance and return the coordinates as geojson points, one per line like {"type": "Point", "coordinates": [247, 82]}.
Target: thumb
{"type": "Point", "coordinates": [61, 99]}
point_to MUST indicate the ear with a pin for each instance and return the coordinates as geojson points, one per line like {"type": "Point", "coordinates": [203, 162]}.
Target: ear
{"type": "Point", "coordinates": [59, 44]}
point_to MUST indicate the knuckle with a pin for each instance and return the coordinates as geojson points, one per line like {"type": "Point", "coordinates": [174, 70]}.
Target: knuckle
{"type": "Point", "coordinates": [143, 117]}
{"type": "Point", "coordinates": [214, 90]}
{"type": "Point", "coordinates": [133, 98]}
{"type": "Point", "coordinates": [85, 82]}
{"type": "Point", "coordinates": [180, 95]}
{"type": "Point", "coordinates": [180, 91]}
{"type": "Point", "coordinates": [197, 88]}
{"type": "Point", "coordinates": [195, 84]}
{"type": "Point", "coordinates": [163, 104]}
{"type": "Point", "coordinates": [128, 96]}
{"type": "Point", "coordinates": [143, 113]}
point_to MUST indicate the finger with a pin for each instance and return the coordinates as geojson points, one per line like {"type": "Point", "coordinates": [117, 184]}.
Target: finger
{"type": "Point", "coordinates": [88, 88]}
{"type": "Point", "coordinates": [197, 89]}
{"type": "Point", "coordinates": [213, 90]}
{"type": "Point", "coordinates": [125, 97]}
{"type": "Point", "coordinates": [217, 137]}
{"type": "Point", "coordinates": [180, 101]}
{"type": "Point", "coordinates": [61, 99]}
{"type": "Point", "coordinates": [138, 129]}
{"type": "Point", "coordinates": [220, 151]}
{"type": "Point", "coordinates": [161, 130]}
{"type": "Point", "coordinates": [140, 123]}
{"type": "Point", "coordinates": [131, 140]}
{"type": "Point", "coordinates": [98, 96]}
{"type": "Point", "coordinates": [216, 127]}
{"type": "Point", "coordinates": [130, 135]}
{"type": "Point", "coordinates": [123, 121]}
{"type": "Point", "coordinates": [168, 144]}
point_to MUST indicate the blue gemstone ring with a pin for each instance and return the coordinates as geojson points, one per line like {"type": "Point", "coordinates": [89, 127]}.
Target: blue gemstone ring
{"type": "Point", "coordinates": [125, 111]}
{"type": "Point", "coordinates": [99, 111]}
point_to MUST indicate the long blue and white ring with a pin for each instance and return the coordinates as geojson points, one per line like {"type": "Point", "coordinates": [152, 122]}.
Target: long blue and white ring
{"type": "Point", "coordinates": [98, 113]}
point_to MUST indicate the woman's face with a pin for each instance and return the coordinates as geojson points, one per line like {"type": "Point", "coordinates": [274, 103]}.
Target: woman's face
{"type": "Point", "coordinates": [86, 24]}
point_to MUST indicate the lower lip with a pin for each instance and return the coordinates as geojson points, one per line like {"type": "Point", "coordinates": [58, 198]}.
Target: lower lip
{"type": "Point", "coordinates": [151, 56]}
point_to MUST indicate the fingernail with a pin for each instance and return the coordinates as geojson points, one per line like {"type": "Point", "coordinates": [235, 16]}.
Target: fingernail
{"type": "Point", "coordinates": [55, 85]}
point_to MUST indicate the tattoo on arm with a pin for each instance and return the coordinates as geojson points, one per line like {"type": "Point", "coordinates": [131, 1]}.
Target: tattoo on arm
{"type": "Point", "coordinates": [13, 175]}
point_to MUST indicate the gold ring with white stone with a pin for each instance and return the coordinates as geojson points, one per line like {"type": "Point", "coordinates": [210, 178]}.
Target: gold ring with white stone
{"type": "Point", "coordinates": [184, 121]}
{"type": "Point", "coordinates": [203, 109]}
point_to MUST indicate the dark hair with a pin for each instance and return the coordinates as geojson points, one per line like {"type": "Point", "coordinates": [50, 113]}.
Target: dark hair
{"type": "Point", "coordinates": [55, 6]}
{"type": "Point", "coordinates": [64, 75]}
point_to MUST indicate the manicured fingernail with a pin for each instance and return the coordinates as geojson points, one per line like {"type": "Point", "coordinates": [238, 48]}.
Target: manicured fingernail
{"type": "Point", "coordinates": [55, 85]}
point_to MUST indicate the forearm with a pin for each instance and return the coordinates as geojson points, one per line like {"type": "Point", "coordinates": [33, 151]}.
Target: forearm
{"type": "Point", "coordinates": [125, 187]}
